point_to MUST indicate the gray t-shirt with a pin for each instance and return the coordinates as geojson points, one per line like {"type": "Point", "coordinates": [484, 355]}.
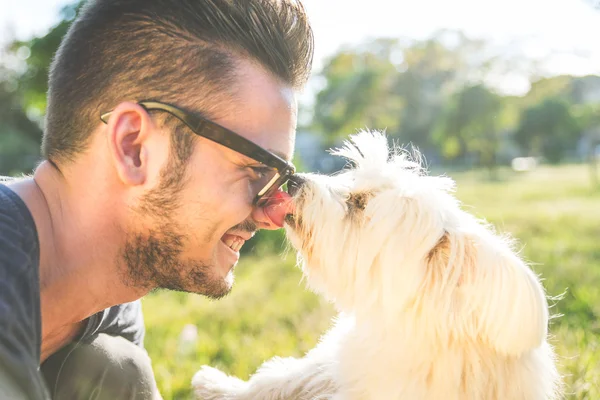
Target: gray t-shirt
{"type": "Point", "coordinates": [20, 318]}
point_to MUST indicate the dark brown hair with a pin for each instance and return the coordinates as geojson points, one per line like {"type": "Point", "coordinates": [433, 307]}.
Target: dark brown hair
{"type": "Point", "coordinates": [118, 50]}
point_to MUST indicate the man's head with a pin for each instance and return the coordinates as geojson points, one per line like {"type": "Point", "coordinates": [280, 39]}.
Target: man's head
{"type": "Point", "coordinates": [183, 202]}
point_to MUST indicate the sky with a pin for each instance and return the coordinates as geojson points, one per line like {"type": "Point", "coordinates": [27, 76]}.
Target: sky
{"type": "Point", "coordinates": [563, 32]}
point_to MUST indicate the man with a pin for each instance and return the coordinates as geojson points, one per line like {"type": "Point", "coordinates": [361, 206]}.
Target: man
{"type": "Point", "coordinates": [154, 174]}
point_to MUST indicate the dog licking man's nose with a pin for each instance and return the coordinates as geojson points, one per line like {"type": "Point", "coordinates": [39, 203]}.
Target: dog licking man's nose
{"type": "Point", "coordinates": [282, 203]}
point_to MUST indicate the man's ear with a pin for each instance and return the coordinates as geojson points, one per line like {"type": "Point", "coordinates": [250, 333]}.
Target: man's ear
{"type": "Point", "coordinates": [127, 130]}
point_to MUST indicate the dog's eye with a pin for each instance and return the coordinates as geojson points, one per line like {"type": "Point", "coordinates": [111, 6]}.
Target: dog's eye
{"type": "Point", "coordinates": [358, 200]}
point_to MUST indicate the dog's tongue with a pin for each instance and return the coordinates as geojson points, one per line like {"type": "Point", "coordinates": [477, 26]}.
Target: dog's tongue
{"type": "Point", "coordinates": [278, 207]}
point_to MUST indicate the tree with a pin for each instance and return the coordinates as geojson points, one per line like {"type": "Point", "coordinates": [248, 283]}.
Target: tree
{"type": "Point", "coordinates": [399, 85]}
{"type": "Point", "coordinates": [19, 136]}
{"type": "Point", "coordinates": [547, 129]}
{"type": "Point", "coordinates": [23, 97]}
{"type": "Point", "coordinates": [357, 95]}
{"type": "Point", "coordinates": [33, 84]}
{"type": "Point", "coordinates": [432, 70]}
{"type": "Point", "coordinates": [588, 119]}
{"type": "Point", "coordinates": [550, 87]}
{"type": "Point", "coordinates": [471, 124]}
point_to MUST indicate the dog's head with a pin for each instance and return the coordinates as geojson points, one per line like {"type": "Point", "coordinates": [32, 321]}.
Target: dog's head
{"type": "Point", "coordinates": [384, 240]}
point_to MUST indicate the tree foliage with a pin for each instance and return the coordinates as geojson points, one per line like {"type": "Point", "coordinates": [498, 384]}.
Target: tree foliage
{"type": "Point", "coordinates": [471, 125]}
{"type": "Point", "coordinates": [548, 129]}
{"type": "Point", "coordinates": [433, 93]}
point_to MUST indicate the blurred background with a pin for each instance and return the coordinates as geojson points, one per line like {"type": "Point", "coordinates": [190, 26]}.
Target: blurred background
{"type": "Point", "coordinates": [502, 96]}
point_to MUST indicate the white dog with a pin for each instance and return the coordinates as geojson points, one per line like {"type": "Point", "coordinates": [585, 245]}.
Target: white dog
{"type": "Point", "coordinates": [434, 305]}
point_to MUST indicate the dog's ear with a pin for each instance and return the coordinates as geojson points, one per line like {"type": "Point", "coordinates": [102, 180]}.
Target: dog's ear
{"type": "Point", "coordinates": [490, 293]}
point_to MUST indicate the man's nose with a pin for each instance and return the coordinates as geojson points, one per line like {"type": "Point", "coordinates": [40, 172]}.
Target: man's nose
{"type": "Point", "coordinates": [278, 207]}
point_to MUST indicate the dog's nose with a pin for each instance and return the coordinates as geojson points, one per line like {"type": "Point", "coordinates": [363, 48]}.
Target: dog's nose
{"type": "Point", "coordinates": [294, 184]}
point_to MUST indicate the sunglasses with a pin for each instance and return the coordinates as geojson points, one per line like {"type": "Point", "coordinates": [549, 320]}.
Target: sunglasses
{"type": "Point", "coordinates": [270, 179]}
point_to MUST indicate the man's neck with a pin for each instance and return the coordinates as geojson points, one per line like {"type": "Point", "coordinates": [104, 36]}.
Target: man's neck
{"type": "Point", "coordinates": [79, 247]}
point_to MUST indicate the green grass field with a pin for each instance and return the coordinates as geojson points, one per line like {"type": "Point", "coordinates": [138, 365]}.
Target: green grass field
{"type": "Point", "coordinates": [553, 211]}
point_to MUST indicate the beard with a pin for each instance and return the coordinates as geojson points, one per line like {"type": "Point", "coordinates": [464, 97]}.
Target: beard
{"type": "Point", "coordinates": [152, 258]}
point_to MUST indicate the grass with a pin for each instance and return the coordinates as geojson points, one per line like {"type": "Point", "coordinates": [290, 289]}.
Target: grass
{"type": "Point", "coordinates": [553, 211]}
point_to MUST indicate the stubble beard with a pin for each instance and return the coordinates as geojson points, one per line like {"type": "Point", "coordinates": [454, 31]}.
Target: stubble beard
{"type": "Point", "coordinates": [152, 258]}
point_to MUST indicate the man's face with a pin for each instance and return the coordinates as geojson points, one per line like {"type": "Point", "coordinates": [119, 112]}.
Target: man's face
{"type": "Point", "coordinates": [188, 237]}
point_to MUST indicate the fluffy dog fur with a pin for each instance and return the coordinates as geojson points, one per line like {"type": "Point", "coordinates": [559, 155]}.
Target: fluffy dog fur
{"type": "Point", "coordinates": [433, 303]}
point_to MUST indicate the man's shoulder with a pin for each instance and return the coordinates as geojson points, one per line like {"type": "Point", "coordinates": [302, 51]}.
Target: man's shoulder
{"type": "Point", "coordinates": [124, 320]}
{"type": "Point", "coordinates": [19, 246]}
{"type": "Point", "coordinates": [13, 211]}
{"type": "Point", "coordinates": [20, 318]}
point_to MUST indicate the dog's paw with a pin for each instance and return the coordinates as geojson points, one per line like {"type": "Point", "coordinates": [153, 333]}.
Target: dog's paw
{"type": "Point", "coordinates": [211, 384]}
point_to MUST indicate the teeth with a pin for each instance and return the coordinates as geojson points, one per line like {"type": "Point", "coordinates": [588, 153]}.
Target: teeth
{"type": "Point", "coordinates": [234, 243]}
{"type": "Point", "coordinates": [237, 245]}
